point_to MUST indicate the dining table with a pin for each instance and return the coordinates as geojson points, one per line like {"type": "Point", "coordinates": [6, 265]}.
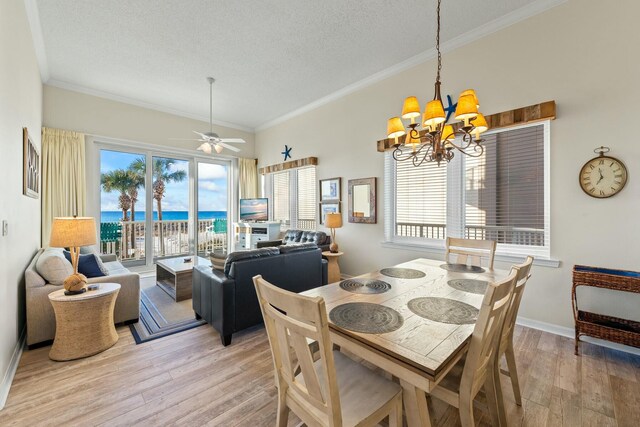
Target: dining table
{"type": "Point", "coordinates": [413, 320]}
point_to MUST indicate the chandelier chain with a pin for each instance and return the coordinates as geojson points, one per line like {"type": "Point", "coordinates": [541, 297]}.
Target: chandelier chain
{"type": "Point", "coordinates": [438, 42]}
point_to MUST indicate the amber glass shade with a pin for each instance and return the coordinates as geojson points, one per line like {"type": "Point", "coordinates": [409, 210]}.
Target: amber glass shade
{"type": "Point", "coordinates": [218, 148]}
{"type": "Point", "coordinates": [395, 128]}
{"type": "Point", "coordinates": [471, 92]}
{"type": "Point", "coordinates": [433, 113]}
{"type": "Point", "coordinates": [73, 232]}
{"type": "Point", "coordinates": [447, 133]}
{"type": "Point", "coordinates": [411, 108]}
{"type": "Point", "coordinates": [480, 124]}
{"type": "Point", "coordinates": [467, 107]}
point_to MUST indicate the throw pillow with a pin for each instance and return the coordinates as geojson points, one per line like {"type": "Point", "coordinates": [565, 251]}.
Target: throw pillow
{"type": "Point", "coordinates": [88, 264]}
{"type": "Point", "coordinates": [53, 266]}
{"type": "Point", "coordinates": [218, 259]}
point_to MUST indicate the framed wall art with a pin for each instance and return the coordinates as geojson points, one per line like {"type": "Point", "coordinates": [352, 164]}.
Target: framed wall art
{"type": "Point", "coordinates": [31, 166]}
{"type": "Point", "coordinates": [326, 208]}
{"type": "Point", "coordinates": [330, 189]}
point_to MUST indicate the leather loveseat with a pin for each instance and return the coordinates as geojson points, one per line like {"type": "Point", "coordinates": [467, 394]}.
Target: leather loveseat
{"type": "Point", "coordinates": [294, 237]}
{"type": "Point", "coordinates": [227, 299]}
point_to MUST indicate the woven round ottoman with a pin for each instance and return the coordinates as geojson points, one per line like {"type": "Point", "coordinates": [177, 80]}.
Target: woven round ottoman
{"type": "Point", "coordinates": [84, 322]}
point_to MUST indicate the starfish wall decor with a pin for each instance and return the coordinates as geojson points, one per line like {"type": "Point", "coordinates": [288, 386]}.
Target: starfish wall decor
{"type": "Point", "coordinates": [287, 152]}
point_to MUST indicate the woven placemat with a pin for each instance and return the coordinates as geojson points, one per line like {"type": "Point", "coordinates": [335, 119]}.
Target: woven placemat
{"type": "Point", "coordinates": [366, 318]}
{"type": "Point", "coordinates": [402, 273]}
{"type": "Point", "coordinates": [463, 268]}
{"type": "Point", "coordinates": [444, 310]}
{"type": "Point", "coordinates": [469, 285]}
{"type": "Point", "coordinates": [365, 286]}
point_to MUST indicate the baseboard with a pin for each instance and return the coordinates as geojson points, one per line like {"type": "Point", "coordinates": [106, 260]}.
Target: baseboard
{"type": "Point", "coordinates": [570, 333]}
{"type": "Point", "coordinates": [5, 386]}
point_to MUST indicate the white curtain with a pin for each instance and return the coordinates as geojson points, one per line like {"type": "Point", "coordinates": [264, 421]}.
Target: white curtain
{"type": "Point", "coordinates": [64, 191]}
{"type": "Point", "coordinates": [248, 178]}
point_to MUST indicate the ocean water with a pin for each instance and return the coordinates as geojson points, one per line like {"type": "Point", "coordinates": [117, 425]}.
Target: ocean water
{"type": "Point", "coordinates": [115, 216]}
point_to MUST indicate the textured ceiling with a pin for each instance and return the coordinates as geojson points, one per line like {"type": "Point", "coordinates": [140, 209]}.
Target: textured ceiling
{"type": "Point", "coordinates": [269, 57]}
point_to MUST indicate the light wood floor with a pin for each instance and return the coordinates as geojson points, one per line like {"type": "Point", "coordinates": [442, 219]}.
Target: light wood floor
{"type": "Point", "coordinates": [190, 379]}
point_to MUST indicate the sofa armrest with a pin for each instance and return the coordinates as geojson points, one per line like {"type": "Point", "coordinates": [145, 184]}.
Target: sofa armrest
{"type": "Point", "coordinates": [214, 298]}
{"type": "Point", "coordinates": [268, 243]}
{"type": "Point", "coordinates": [325, 271]}
{"type": "Point", "coordinates": [108, 257]}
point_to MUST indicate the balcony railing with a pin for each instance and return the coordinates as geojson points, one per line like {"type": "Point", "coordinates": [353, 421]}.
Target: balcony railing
{"type": "Point", "coordinates": [127, 239]}
{"type": "Point", "coordinates": [501, 234]}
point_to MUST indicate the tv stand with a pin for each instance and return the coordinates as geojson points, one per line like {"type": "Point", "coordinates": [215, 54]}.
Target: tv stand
{"type": "Point", "coordinates": [248, 234]}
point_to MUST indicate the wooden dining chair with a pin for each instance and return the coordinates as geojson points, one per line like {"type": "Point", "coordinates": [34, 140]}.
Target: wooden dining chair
{"type": "Point", "coordinates": [506, 342]}
{"type": "Point", "coordinates": [463, 382]}
{"type": "Point", "coordinates": [470, 251]}
{"type": "Point", "coordinates": [332, 391]}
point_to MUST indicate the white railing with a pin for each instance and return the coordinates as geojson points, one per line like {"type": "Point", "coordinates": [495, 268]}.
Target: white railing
{"type": "Point", "coordinates": [501, 234]}
{"type": "Point", "coordinates": [127, 239]}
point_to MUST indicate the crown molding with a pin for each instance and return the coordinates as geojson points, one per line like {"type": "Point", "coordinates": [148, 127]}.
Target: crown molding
{"type": "Point", "coordinates": [471, 36]}
{"type": "Point", "coordinates": [106, 95]}
{"type": "Point", "coordinates": [33, 16]}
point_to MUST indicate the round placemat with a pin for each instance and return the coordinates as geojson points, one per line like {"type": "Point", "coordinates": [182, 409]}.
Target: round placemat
{"type": "Point", "coordinates": [469, 285]}
{"type": "Point", "coordinates": [444, 310]}
{"type": "Point", "coordinates": [402, 273]}
{"type": "Point", "coordinates": [365, 286]}
{"type": "Point", "coordinates": [463, 268]}
{"type": "Point", "coordinates": [366, 317]}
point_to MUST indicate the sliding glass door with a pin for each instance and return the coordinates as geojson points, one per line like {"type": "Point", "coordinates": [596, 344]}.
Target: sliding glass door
{"type": "Point", "coordinates": [155, 205]}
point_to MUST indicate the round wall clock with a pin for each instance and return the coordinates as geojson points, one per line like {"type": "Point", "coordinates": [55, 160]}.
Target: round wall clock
{"type": "Point", "coordinates": [603, 176]}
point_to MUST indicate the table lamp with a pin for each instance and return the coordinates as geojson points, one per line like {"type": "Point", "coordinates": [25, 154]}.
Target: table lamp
{"type": "Point", "coordinates": [73, 232]}
{"type": "Point", "coordinates": [333, 221]}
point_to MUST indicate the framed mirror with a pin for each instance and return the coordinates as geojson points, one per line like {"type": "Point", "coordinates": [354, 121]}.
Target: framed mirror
{"type": "Point", "coordinates": [362, 200]}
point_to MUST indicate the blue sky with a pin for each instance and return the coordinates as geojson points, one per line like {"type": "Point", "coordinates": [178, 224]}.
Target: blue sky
{"type": "Point", "coordinates": [212, 185]}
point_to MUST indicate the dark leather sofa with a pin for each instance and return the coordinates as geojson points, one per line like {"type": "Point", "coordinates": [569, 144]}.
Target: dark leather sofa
{"type": "Point", "coordinates": [227, 299]}
{"type": "Point", "coordinates": [293, 237]}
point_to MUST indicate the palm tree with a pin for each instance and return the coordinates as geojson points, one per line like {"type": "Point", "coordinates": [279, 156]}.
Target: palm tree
{"type": "Point", "coordinates": [119, 180]}
{"type": "Point", "coordinates": [162, 174]}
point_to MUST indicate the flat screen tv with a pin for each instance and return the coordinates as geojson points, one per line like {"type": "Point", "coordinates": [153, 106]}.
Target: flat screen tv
{"type": "Point", "coordinates": [254, 209]}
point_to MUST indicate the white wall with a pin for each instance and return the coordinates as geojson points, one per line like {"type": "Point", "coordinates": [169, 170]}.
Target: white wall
{"type": "Point", "coordinates": [20, 106]}
{"type": "Point", "coordinates": [582, 54]}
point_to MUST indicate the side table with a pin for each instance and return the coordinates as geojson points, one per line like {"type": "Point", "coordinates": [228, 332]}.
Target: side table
{"type": "Point", "coordinates": [334, 267]}
{"type": "Point", "coordinates": [84, 322]}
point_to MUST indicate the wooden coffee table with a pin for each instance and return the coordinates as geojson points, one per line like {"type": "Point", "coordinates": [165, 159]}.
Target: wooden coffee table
{"type": "Point", "coordinates": [173, 275]}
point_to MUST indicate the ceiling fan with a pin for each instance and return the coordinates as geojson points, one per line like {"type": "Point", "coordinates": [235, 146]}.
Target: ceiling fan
{"type": "Point", "coordinates": [210, 140]}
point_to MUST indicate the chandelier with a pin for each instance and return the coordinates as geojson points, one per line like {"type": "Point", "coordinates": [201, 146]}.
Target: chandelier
{"type": "Point", "coordinates": [437, 142]}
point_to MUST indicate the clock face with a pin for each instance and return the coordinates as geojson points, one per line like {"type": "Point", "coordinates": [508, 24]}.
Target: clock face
{"type": "Point", "coordinates": [603, 177]}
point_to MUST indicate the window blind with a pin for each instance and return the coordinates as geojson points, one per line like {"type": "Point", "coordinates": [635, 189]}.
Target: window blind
{"type": "Point", "coordinates": [306, 199]}
{"type": "Point", "coordinates": [280, 197]}
{"type": "Point", "coordinates": [504, 194]}
{"type": "Point", "coordinates": [420, 200]}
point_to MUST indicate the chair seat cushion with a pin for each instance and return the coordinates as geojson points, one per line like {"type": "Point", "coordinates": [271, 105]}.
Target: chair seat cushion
{"type": "Point", "coordinates": [361, 390]}
{"type": "Point", "coordinates": [115, 268]}
{"type": "Point", "coordinates": [88, 264]}
{"type": "Point", "coordinates": [53, 266]}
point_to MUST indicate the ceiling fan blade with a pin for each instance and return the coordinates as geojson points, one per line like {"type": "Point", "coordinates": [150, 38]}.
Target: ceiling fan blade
{"type": "Point", "coordinates": [185, 139]}
{"type": "Point", "coordinates": [233, 140]}
{"type": "Point", "coordinates": [229, 147]}
{"type": "Point", "coordinates": [202, 135]}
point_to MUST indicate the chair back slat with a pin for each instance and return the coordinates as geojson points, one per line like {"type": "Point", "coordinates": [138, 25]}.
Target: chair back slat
{"type": "Point", "coordinates": [291, 320]}
{"type": "Point", "coordinates": [486, 334]}
{"type": "Point", "coordinates": [523, 274]}
{"type": "Point", "coordinates": [470, 251]}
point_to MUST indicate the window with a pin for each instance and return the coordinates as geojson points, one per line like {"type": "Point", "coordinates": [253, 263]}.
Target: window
{"type": "Point", "coordinates": [293, 195]}
{"type": "Point", "coordinates": [502, 195]}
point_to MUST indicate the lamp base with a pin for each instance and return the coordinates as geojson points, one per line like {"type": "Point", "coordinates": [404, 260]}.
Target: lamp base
{"type": "Point", "coordinates": [75, 283]}
{"type": "Point", "coordinates": [333, 247]}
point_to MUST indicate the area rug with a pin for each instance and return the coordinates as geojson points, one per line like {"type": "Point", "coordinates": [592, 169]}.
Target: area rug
{"type": "Point", "coordinates": [161, 316]}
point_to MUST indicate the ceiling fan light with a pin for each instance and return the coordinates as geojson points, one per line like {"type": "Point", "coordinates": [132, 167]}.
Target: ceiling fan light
{"type": "Point", "coordinates": [206, 147]}
{"type": "Point", "coordinates": [218, 148]}
{"type": "Point", "coordinates": [467, 107]}
{"type": "Point", "coordinates": [395, 128]}
{"type": "Point", "coordinates": [433, 114]}
{"type": "Point", "coordinates": [411, 108]}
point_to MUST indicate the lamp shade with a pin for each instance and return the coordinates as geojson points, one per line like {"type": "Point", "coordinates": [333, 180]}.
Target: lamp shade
{"type": "Point", "coordinates": [471, 92]}
{"type": "Point", "coordinates": [206, 147]}
{"type": "Point", "coordinates": [411, 108]}
{"type": "Point", "coordinates": [447, 133]}
{"type": "Point", "coordinates": [480, 124]}
{"type": "Point", "coordinates": [433, 113]}
{"type": "Point", "coordinates": [467, 107]}
{"type": "Point", "coordinates": [73, 232]}
{"type": "Point", "coordinates": [395, 128]}
{"type": "Point", "coordinates": [218, 148]}
{"type": "Point", "coordinates": [333, 220]}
